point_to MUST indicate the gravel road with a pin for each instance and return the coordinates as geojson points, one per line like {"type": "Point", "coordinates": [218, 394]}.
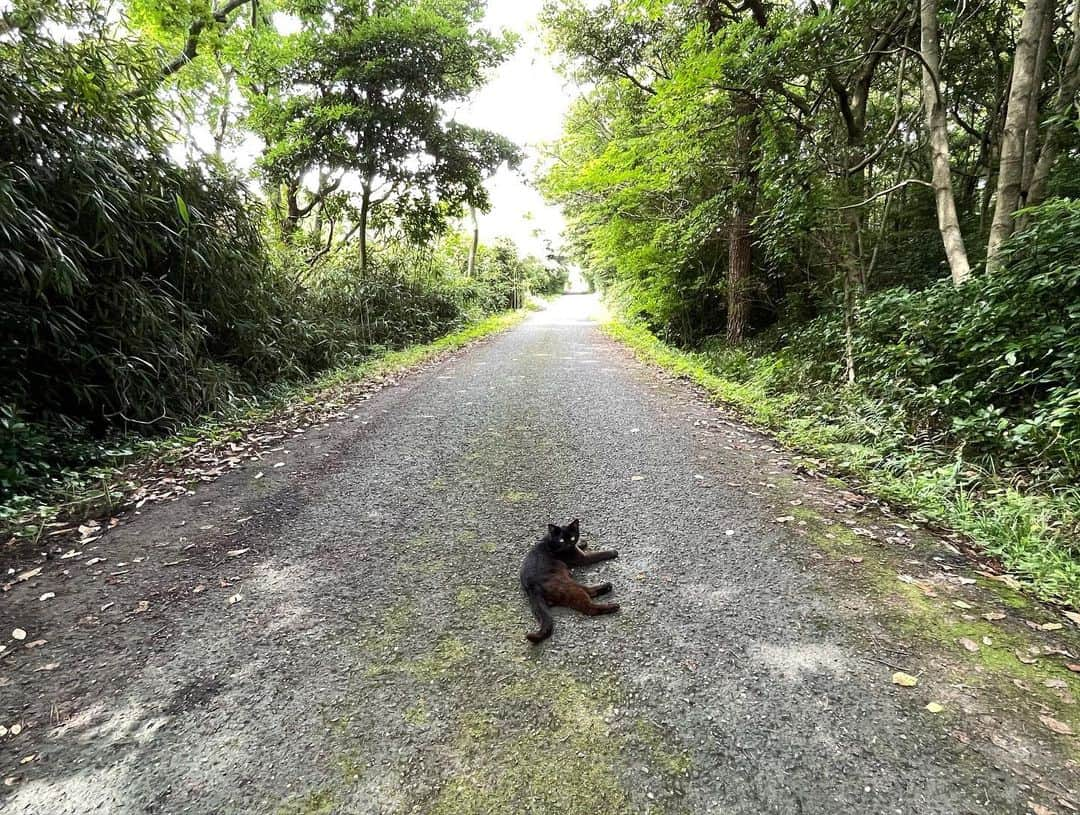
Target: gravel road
{"type": "Point", "coordinates": [372, 659]}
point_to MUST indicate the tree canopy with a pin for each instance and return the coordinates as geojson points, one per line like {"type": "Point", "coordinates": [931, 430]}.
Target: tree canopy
{"type": "Point", "coordinates": [729, 163]}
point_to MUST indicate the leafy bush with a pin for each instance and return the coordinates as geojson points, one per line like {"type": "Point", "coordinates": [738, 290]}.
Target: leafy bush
{"type": "Point", "coordinates": [991, 367]}
{"type": "Point", "coordinates": [137, 293]}
{"type": "Point", "coordinates": [132, 289]}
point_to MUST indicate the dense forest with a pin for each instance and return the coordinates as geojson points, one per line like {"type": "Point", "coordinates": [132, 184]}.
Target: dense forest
{"type": "Point", "coordinates": [862, 217]}
{"type": "Point", "coordinates": [148, 277]}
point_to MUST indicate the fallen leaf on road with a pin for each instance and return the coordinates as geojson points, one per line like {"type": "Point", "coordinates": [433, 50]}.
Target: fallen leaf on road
{"type": "Point", "coordinates": [24, 576]}
{"type": "Point", "coordinates": [198, 589]}
{"type": "Point", "coordinates": [48, 666]}
{"type": "Point", "coordinates": [280, 464]}
{"type": "Point", "coordinates": [16, 729]}
{"type": "Point", "coordinates": [1072, 666]}
{"type": "Point", "coordinates": [28, 759]}
{"type": "Point", "coordinates": [904, 680]}
{"type": "Point", "coordinates": [994, 615]}
{"type": "Point", "coordinates": [922, 586]}
{"type": "Point", "coordinates": [3, 731]}
{"type": "Point", "coordinates": [47, 596]}
{"type": "Point", "coordinates": [18, 634]}
{"type": "Point", "coordinates": [70, 553]}
{"type": "Point", "coordinates": [962, 604]}
{"type": "Point", "coordinates": [637, 478]}
{"type": "Point", "coordinates": [1025, 659]}
{"type": "Point", "coordinates": [784, 519]}
{"type": "Point", "coordinates": [11, 781]}
{"type": "Point", "coordinates": [94, 560]}
{"type": "Point", "coordinates": [35, 644]}
{"type": "Point", "coordinates": [259, 475]}
{"type": "Point", "coordinates": [1039, 809]}
{"type": "Point", "coordinates": [106, 607]}
{"type": "Point", "coordinates": [987, 641]}
{"type": "Point", "coordinates": [1050, 652]}
{"type": "Point", "coordinates": [1008, 580]}
{"type": "Point", "coordinates": [1058, 727]}
{"type": "Point", "coordinates": [854, 559]}
{"type": "Point", "coordinates": [935, 707]}
{"type": "Point", "coordinates": [234, 599]}
{"type": "Point", "coordinates": [970, 645]}
{"type": "Point", "coordinates": [1072, 616]}
{"type": "Point", "coordinates": [141, 606]}
{"type": "Point", "coordinates": [237, 552]}
{"type": "Point", "coordinates": [1061, 687]}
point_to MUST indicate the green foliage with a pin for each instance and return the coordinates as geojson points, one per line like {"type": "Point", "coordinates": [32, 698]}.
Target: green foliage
{"type": "Point", "coordinates": [991, 368]}
{"type": "Point", "coordinates": [132, 288]}
{"type": "Point", "coordinates": [966, 403]}
{"type": "Point", "coordinates": [362, 89]}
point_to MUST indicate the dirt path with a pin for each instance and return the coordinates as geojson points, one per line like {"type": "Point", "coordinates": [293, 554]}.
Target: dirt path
{"type": "Point", "coordinates": [373, 659]}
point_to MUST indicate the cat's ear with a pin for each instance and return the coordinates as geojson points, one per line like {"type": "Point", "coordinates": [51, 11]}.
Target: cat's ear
{"type": "Point", "coordinates": [573, 525]}
{"type": "Point", "coordinates": [554, 531]}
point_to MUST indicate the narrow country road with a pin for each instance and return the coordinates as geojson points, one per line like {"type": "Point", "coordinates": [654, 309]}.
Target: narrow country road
{"type": "Point", "coordinates": [373, 658]}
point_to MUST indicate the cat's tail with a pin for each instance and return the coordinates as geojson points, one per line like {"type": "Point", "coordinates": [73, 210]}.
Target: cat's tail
{"type": "Point", "coordinates": [542, 612]}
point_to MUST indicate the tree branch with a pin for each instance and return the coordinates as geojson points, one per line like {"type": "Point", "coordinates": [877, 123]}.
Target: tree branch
{"type": "Point", "coordinates": [318, 197]}
{"type": "Point", "coordinates": [903, 183]}
{"type": "Point", "coordinates": [872, 157]}
{"type": "Point", "coordinates": [191, 46]}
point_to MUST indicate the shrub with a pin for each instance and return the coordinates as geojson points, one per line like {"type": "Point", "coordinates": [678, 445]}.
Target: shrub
{"type": "Point", "coordinates": [990, 371]}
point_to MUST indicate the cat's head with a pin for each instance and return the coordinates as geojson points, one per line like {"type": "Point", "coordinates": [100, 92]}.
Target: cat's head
{"type": "Point", "coordinates": [562, 538]}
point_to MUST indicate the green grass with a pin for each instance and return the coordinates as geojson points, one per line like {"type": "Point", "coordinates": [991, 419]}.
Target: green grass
{"type": "Point", "coordinates": [103, 490]}
{"type": "Point", "coordinates": [1031, 533]}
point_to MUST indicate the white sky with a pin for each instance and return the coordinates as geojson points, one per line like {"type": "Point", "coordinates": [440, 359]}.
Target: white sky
{"type": "Point", "coordinates": [526, 101]}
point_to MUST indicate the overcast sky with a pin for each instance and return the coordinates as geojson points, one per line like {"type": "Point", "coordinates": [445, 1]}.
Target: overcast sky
{"type": "Point", "coordinates": [526, 102]}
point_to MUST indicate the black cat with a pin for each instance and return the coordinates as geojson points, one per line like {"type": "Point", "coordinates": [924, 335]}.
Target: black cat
{"type": "Point", "coordinates": [546, 579]}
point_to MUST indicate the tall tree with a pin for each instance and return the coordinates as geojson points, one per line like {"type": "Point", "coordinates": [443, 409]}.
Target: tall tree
{"type": "Point", "coordinates": [1020, 117]}
{"type": "Point", "coordinates": [1062, 111]}
{"type": "Point", "coordinates": [360, 93]}
{"type": "Point", "coordinates": [937, 125]}
{"type": "Point", "coordinates": [747, 113]}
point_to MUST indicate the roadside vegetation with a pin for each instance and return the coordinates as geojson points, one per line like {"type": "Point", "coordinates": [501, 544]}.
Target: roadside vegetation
{"type": "Point", "coordinates": [858, 224]}
{"type": "Point", "coordinates": [204, 203]}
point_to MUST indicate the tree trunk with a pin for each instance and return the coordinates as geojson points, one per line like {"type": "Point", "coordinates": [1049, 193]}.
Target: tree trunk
{"type": "Point", "coordinates": [1063, 100]}
{"type": "Point", "coordinates": [740, 242]}
{"type": "Point", "coordinates": [948, 222]}
{"type": "Point", "coordinates": [740, 239]}
{"type": "Point", "coordinates": [475, 242]}
{"type": "Point", "coordinates": [365, 205]}
{"type": "Point", "coordinates": [1011, 164]}
{"type": "Point", "coordinates": [290, 191]}
{"type": "Point", "coordinates": [1031, 135]}
{"type": "Point", "coordinates": [740, 256]}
